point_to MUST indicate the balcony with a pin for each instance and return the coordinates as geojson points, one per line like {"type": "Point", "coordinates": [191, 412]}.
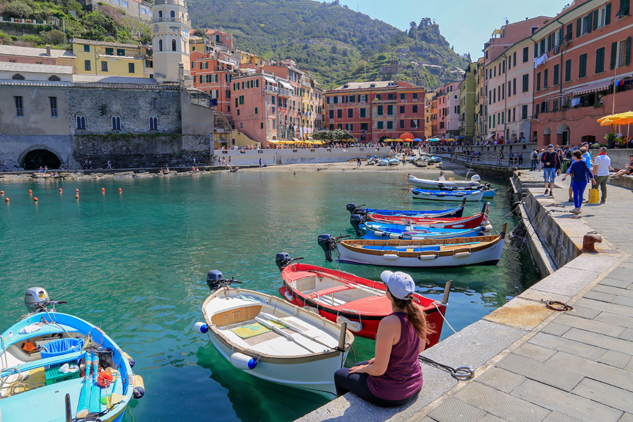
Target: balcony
{"type": "Point", "coordinates": [174, 20]}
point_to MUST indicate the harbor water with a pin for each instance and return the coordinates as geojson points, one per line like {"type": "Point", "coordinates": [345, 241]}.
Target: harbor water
{"type": "Point", "coordinates": [135, 264]}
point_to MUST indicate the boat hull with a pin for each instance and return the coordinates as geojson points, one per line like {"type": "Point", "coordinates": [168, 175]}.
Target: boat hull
{"type": "Point", "coordinates": [489, 194]}
{"type": "Point", "coordinates": [443, 184]}
{"type": "Point", "coordinates": [441, 223]}
{"type": "Point", "coordinates": [447, 213]}
{"type": "Point", "coordinates": [378, 231]}
{"type": "Point", "coordinates": [474, 196]}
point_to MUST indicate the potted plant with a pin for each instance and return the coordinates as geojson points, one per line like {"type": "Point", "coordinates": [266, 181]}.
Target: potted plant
{"type": "Point", "coordinates": [622, 141]}
{"type": "Point", "coordinates": [610, 138]}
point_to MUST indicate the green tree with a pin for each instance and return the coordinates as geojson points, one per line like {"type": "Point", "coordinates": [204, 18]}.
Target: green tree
{"type": "Point", "coordinates": [18, 9]}
{"type": "Point", "coordinates": [54, 37]}
{"type": "Point", "coordinates": [200, 33]}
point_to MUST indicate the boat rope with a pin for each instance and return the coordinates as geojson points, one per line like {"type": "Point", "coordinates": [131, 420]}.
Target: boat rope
{"type": "Point", "coordinates": [555, 305]}
{"type": "Point", "coordinates": [461, 373]}
{"type": "Point", "coordinates": [442, 315]}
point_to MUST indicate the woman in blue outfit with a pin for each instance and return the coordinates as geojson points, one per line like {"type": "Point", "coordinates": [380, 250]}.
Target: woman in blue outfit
{"type": "Point", "coordinates": [580, 174]}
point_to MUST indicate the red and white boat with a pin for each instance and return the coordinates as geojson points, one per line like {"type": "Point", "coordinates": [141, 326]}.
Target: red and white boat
{"type": "Point", "coordinates": [344, 297]}
{"type": "Point", "coordinates": [477, 220]}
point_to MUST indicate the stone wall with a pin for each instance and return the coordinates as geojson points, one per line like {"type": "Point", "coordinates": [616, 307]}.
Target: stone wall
{"type": "Point", "coordinates": [301, 155]}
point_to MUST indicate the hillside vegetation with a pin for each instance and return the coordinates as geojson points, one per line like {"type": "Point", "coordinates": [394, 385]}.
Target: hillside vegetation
{"type": "Point", "coordinates": [333, 42]}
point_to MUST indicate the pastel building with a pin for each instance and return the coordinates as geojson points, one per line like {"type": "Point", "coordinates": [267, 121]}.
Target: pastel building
{"type": "Point", "coordinates": [19, 54]}
{"type": "Point", "coordinates": [377, 110]}
{"type": "Point", "coordinates": [582, 71]}
{"type": "Point", "coordinates": [448, 110]}
{"type": "Point", "coordinates": [467, 91]}
{"type": "Point", "coordinates": [170, 40]}
{"type": "Point", "coordinates": [108, 58]}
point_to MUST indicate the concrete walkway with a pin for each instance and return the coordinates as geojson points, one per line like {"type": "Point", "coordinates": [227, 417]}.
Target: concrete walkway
{"type": "Point", "coordinates": [533, 364]}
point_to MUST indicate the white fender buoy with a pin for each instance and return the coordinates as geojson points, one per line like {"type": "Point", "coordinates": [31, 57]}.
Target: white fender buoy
{"type": "Point", "coordinates": [139, 387]}
{"type": "Point", "coordinates": [426, 257]}
{"type": "Point", "coordinates": [289, 296]}
{"type": "Point", "coordinates": [462, 254]}
{"type": "Point", "coordinates": [458, 226]}
{"type": "Point", "coordinates": [354, 326]}
{"type": "Point", "coordinates": [488, 227]}
{"type": "Point", "coordinates": [242, 361]}
{"type": "Point", "coordinates": [390, 256]}
{"type": "Point", "coordinates": [201, 327]}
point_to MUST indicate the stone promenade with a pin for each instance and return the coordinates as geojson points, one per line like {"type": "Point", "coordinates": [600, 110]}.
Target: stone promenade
{"type": "Point", "coordinates": [533, 364]}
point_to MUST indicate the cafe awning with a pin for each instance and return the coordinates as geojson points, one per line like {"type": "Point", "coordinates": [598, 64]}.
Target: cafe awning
{"type": "Point", "coordinates": [598, 86]}
{"type": "Point", "coordinates": [285, 85]}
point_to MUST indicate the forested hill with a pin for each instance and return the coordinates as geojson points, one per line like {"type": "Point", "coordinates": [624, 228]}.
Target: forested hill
{"type": "Point", "coordinates": [333, 42]}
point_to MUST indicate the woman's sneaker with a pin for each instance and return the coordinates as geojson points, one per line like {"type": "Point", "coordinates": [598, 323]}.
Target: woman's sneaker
{"type": "Point", "coordinates": [545, 192]}
{"type": "Point", "coordinates": [575, 211]}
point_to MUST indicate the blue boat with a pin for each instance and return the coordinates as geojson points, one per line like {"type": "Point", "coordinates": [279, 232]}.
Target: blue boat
{"type": "Point", "coordinates": [394, 161]}
{"type": "Point", "coordinates": [383, 162]}
{"type": "Point", "coordinates": [489, 193]}
{"type": "Point", "coordinates": [392, 231]}
{"type": "Point", "coordinates": [447, 213]}
{"type": "Point", "coordinates": [49, 365]}
{"type": "Point", "coordinates": [452, 195]}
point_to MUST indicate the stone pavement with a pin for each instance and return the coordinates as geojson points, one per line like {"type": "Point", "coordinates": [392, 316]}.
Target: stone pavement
{"type": "Point", "coordinates": [533, 364]}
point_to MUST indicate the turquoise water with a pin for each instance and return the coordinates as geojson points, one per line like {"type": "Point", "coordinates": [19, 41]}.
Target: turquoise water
{"type": "Point", "coordinates": [135, 264]}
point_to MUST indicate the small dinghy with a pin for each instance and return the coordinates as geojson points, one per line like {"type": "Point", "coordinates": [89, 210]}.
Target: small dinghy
{"type": "Point", "coordinates": [49, 368]}
{"type": "Point", "coordinates": [437, 195]}
{"type": "Point", "coordinates": [480, 219]}
{"type": "Point", "coordinates": [271, 339]}
{"type": "Point", "coordinates": [394, 161]}
{"type": "Point", "coordinates": [420, 162]}
{"type": "Point", "coordinates": [474, 183]}
{"type": "Point", "coordinates": [377, 231]}
{"type": "Point", "coordinates": [383, 162]}
{"type": "Point", "coordinates": [347, 298]}
{"type": "Point", "coordinates": [432, 253]}
{"type": "Point", "coordinates": [451, 212]}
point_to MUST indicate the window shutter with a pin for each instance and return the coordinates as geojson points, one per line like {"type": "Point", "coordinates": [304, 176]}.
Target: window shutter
{"type": "Point", "coordinates": [595, 19]}
{"type": "Point", "coordinates": [578, 27]}
{"type": "Point", "coordinates": [627, 54]}
{"type": "Point", "coordinates": [607, 14]}
{"type": "Point", "coordinates": [589, 23]}
{"type": "Point", "coordinates": [614, 53]}
{"type": "Point", "coordinates": [548, 43]}
{"type": "Point", "coordinates": [535, 50]}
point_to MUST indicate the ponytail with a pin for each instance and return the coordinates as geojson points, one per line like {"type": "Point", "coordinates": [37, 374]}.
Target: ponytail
{"type": "Point", "coordinates": [416, 317]}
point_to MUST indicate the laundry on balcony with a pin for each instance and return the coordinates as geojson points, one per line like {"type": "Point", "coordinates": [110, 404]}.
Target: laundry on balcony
{"type": "Point", "coordinates": [540, 60]}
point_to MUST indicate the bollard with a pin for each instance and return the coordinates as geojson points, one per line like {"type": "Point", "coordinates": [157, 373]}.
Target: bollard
{"type": "Point", "coordinates": [589, 241]}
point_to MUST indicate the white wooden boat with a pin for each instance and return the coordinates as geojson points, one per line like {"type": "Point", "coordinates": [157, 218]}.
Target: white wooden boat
{"type": "Point", "coordinates": [431, 253]}
{"type": "Point", "coordinates": [383, 162]}
{"type": "Point", "coordinates": [274, 340]}
{"type": "Point", "coordinates": [445, 184]}
{"type": "Point", "coordinates": [438, 195]}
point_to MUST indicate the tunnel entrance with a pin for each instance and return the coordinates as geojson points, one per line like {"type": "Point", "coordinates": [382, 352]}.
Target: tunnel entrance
{"type": "Point", "coordinates": [35, 159]}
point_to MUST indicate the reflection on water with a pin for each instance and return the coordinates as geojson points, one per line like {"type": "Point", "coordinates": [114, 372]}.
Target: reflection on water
{"type": "Point", "coordinates": [135, 264]}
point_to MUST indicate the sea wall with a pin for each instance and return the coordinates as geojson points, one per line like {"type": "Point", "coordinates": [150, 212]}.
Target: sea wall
{"type": "Point", "coordinates": [300, 155]}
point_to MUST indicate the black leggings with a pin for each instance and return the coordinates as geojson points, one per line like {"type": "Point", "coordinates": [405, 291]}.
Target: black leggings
{"type": "Point", "coordinates": [357, 384]}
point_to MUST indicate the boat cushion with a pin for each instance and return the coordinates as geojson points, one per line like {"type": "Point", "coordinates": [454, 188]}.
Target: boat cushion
{"type": "Point", "coordinates": [331, 290]}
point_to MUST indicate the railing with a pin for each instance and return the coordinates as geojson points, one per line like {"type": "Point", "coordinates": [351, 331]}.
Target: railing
{"type": "Point", "coordinates": [176, 20]}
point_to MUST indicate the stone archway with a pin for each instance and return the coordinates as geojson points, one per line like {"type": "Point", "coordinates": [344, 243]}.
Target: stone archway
{"type": "Point", "coordinates": [38, 156]}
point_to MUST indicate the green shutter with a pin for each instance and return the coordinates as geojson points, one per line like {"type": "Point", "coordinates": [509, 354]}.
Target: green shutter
{"type": "Point", "coordinates": [614, 53]}
{"type": "Point", "coordinates": [607, 15]}
{"type": "Point", "coordinates": [578, 27]}
{"type": "Point", "coordinates": [535, 50]}
{"type": "Point", "coordinates": [548, 43]}
{"type": "Point", "coordinates": [627, 53]}
{"type": "Point", "coordinates": [595, 19]}
{"type": "Point", "coordinates": [589, 24]}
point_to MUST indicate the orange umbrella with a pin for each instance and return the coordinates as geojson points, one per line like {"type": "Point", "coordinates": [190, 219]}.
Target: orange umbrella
{"type": "Point", "coordinates": [406, 136]}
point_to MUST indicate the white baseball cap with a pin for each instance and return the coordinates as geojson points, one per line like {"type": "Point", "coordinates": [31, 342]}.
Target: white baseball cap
{"type": "Point", "coordinates": [400, 284]}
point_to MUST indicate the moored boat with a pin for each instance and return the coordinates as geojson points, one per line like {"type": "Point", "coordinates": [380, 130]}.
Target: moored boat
{"type": "Point", "coordinates": [378, 231]}
{"type": "Point", "coordinates": [344, 297]}
{"type": "Point", "coordinates": [394, 161]}
{"type": "Point", "coordinates": [274, 340]}
{"type": "Point", "coordinates": [49, 368]}
{"type": "Point", "coordinates": [450, 212]}
{"type": "Point", "coordinates": [383, 162]}
{"type": "Point", "coordinates": [479, 219]}
{"type": "Point", "coordinates": [474, 183]}
{"type": "Point", "coordinates": [436, 195]}
{"type": "Point", "coordinates": [431, 253]}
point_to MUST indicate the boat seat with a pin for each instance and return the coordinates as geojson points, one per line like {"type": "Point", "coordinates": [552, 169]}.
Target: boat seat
{"type": "Point", "coordinates": [330, 291]}
{"type": "Point", "coordinates": [55, 360]}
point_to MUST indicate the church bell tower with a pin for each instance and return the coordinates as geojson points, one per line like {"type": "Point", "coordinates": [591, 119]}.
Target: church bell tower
{"type": "Point", "coordinates": [170, 40]}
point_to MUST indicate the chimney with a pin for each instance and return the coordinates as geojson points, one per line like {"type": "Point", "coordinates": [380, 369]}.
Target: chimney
{"type": "Point", "coordinates": [48, 50]}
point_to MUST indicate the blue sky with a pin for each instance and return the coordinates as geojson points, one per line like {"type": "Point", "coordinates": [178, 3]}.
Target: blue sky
{"type": "Point", "coordinates": [464, 24]}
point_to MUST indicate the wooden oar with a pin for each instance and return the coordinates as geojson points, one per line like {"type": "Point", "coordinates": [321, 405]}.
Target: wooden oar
{"type": "Point", "coordinates": [84, 399]}
{"type": "Point", "coordinates": [295, 329]}
{"type": "Point", "coordinates": [281, 333]}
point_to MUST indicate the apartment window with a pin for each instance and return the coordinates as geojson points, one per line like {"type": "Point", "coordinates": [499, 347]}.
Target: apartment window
{"type": "Point", "coordinates": [525, 83]}
{"type": "Point", "coordinates": [624, 9]}
{"type": "Point", "coordinates": [53, 103]}
{"type": "Point", "coordinates": [587, 24]}
{"type": "Point", "coordinates": [514, 58]}
{"type": "Point", "coordinates": [120, 52]}
{"type": "Point", "coordinates": [331, 115]}
{"type": "Point", "coordinates": [538, 81]}
{"type": "Point", "coordinates": [402, 109]}
{"type": "Point", "coordinates": [380, 110]}
{"type": "Point", "coordinates": [160, 45]}
{"type": "Point", "coordinates": [153, 123]}
{"type": "Point", "coordinates": [173, 45]}
{"type": "Point", "coordinates": [104, 66]}
{"type": "Point", "coordinates": [125, 4]}
{"type": "Point", "coordinates": [415, 108]}
{"type": "Point", "coordinates": [390, 96]}
{"type": "Point", "coordinates": [81, 122]}
{"type": "Point", "coordinates": [568, 70]}
{"type": "Point", "coordinates": [362, 112]}
{"type": "Point", "coordinates": [494, 71]}
{"type": "Point", "coordinates": [582, 66]}
{"type": "Point", "coordinates": [109, 51]}
{"type": "Point", "coordinates": [256, 110]}
{"type": "Point", "coordinates": [87, 65]}
{"type": "Point", "coordinates": [402, 96]}
{"type": "Point", "coordinates": [541, 49]}
{"type": "Point", "coordinates": [19, 108]}
{"type": "Point", "coordinates": [524, 112]}
{"type": "Point", "coordinates": [86, 48]}
{"type": "Point", "coordinates": [415, 95]}
{"type": "Point", "coordinates": [503, 91]}
{"type": "Point", "coordinates": [339, 114]}
{"type": "Point", "coordinates": [510, 89]}
{"type": "Point", "coordinates": [389, 110]}
{"type": "Point", "coordinates": [570, 29]}
{"type": "Point", "coordinates": [364, 126]}
{"type": "Point", "coordinates": [526, 54]}
{"type": "Point", "coordinates": [401, 124]}
{"type": "Point", "coordinates": [389, 124]}
{"type": "Point", "coordinates": [545, 78]}
{"type": "Point", "coordinates": [261, 125]}
{"type": "Point", "coordinates": [350, 113]}
{"type": "Point", "coordinates": [116, 123]}
{"type": "Point", "coordinates": [621, 53]}
{"type": "Point", "coordinates": [514, 114]}
{"type": "Point", "coordinates": [600, 60]}
{"type": "Point", "coordinates": [378, 96]}
{"type": "Point", "coordinates": [514, 86]}
{"type": "Point", "coordinates": [380, 125]}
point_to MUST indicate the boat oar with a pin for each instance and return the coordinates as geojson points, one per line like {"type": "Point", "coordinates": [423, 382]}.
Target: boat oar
{"type": "Point", "coordinates": [295, 329]}
{"type": "Point", "coordinates": [281, 333]}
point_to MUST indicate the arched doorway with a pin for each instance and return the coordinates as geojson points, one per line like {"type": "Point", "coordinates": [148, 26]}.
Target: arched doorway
{"type": "Point", "coordinates": [37, 158]}
{"type": "Point", "coordinates": [562, 134]}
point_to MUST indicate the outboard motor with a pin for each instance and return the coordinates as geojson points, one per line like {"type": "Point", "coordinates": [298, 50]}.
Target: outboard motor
{"type": "Point", "coordinates": [327, 242]}
{"type": "Point", "coordinates": [475, 178]}
{"type": "Point", "coordinates": [215, 280]}
{"type": "Point", "coordinates": [37, 300]}
{"type": "Point", "coordinates": [282, 260]}
{"type": "Point", "coordinates": [356, 220]}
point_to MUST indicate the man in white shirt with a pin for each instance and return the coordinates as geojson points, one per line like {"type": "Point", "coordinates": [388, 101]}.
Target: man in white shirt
{"type": "Point", "coordinates": [601, 167]}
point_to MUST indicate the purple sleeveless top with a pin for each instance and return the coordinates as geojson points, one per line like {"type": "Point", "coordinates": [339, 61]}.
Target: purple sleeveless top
{"type": "Point", "coordinates": [403, 377]}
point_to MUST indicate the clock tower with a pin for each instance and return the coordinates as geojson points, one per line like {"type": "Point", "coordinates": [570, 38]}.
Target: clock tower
{"type": "Point", "coordinates": [170, 40]}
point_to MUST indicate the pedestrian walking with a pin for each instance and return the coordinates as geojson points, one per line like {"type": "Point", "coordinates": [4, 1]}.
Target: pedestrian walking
{"type": "Point", "coordinates": [194, 161]}
{"type": "Point", "coordinates": [358, 162]}
{"type": "Point", "coordinates": [580, 173]}
{"type": "Point", "coordinates": [601, 167]}
{"type": "Point", "coordinates": [520, 158]}
{"type": "Point", "coordinates": [551, 167]}
{"type": "Point", "coordinates": [109, 165]}
{"type": "Point", "coordinates": [260, 163]}
{"type": "Point", "coordinates": [586, 158]}
{"type": "Point", "coordinates": [90, 164]}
